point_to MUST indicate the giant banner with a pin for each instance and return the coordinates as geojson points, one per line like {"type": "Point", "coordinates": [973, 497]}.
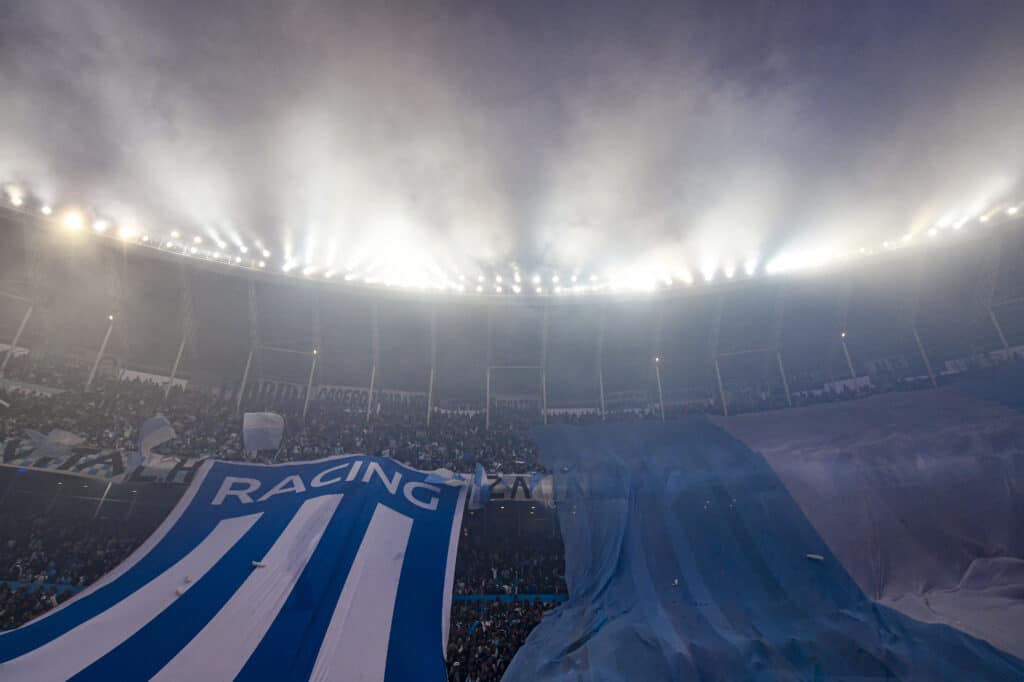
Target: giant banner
{"type": "Point", "coordinates": [688, 556]}
{"type": "Point", "coordinates": [337, 569]}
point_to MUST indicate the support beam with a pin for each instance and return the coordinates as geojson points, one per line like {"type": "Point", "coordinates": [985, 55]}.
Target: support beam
{"type": "Point", "coordinates": [106, 491]}
{"type": "Point", "coordinates": [656, 352]}
{"type": "Point", "coordinates": [316, 353]}
{"type": "Point", "coordinates": [721, 390]}
{"type": "Point", "coordinates": [309, 384]}
{"type": "Point", "coordinates": [254, 341]}
{"type": "Point", "coordinates": [778, 319]}
{"type": "Point", "coordinates": [17, 337]}
{"type": "Point", "coordinates": [99, 355]}
{"type": "Point", "coordinates": [375, 357]}
{"type": "Point", "coordinates": [716, 326]}
{"type": "Point", "coordinates": [245, 379]}
{"type": "Point", "coordinates": [433, 364]}
{"type": "Point", "coordinates": [187, 329]}
{"type": "Point", "coordinates": [544, 364]}
{"type": "Point", "coordinates": [487, 379]}
{"type": "Point", "coordinates": [924, 355]}
{"type": "Point", "coordinates": [599, 361]}
{"type": "Point", "coordinates": [846, 354]}
{"type": "Point", "coordinates": [785, 381]}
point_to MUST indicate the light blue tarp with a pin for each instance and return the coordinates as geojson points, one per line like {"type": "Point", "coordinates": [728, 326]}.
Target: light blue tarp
{"type": "Point", "coordinates": [687, 559]}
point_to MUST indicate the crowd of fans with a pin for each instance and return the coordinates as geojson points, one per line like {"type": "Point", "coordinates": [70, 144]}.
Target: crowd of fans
{"type": "Point", "coordinates": [46, 556]}
{"type": "Point", "coordinates": [484, 636]}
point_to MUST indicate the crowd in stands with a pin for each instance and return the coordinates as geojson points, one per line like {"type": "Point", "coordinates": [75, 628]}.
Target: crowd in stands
{"type": "Point", "coordinates": [484, 636]}
{"type": "Point", "coordinates": [44, 556]}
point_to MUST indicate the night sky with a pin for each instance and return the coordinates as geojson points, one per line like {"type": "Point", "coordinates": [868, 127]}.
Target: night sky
{"type": "Point", "coordinates": [451, 137]}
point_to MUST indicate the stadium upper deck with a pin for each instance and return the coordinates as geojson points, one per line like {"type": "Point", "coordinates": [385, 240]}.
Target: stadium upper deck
{"type": "Point", "coordinates": [889, 316]}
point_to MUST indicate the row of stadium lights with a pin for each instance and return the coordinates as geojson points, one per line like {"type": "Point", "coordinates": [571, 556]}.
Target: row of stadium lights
{"type": "Point", "coordinates": [74, 220]}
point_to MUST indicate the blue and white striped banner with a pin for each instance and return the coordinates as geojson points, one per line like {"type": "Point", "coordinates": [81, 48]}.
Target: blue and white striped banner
{"type": "Point", "coordinates": [338, 569]}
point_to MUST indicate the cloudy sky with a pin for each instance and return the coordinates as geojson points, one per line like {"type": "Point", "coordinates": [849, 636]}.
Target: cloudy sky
{"type": "Point", "coordinates": [409, 138]}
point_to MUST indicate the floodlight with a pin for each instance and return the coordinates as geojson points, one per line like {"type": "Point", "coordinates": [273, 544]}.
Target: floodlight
{"type": "Point", "coordinates": [266, 253]}
{"type": "Point", "coordinates": [536, 280]}
{"type": "Point", "coordinates": [175, 234]}
{"type": "Point", "coordinates": [262, 264]}
{"type": "Point", "coordinates": [197, 239]}
{"type": "Point", "coordinates": [169, 244]}
{"type": "Point", "coordinates": [238, 259]}
{"type": "Point", "coordinates": [72, 220]}
{"type": "Point", "coordinates": [46, 210]}
{"type": "Point", "coordinates": [243, 248]}
{"type": "Point", "coordinates": [126, 232]}
{"type": "Point", "coordinates": [100, 225]}
{"type": "Point", "coordinates": [479, 289]}
{"type": "Point", "coordinates": [539, 290]}
{"type": "Point", "coordinates": [193, 250]}
{"type": "Point", "coordinates": [1012, 210]}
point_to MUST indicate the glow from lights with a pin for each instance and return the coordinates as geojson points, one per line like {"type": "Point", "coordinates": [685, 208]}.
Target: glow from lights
{"type": "Point", "coordinates": [497, 290]}
{"type": "Point", "coordinates": [730, 270]}
{"type": "Point", "coordinates": [750, 265]}
{"type": "Point", "coordinates": [497, 278]}
{"type": "Point", "coordinates": [126, 232]}
{"type": "Point", "coordinates": [193, 250]}
{"type": "Point", "coordinates": [145, 238]}
{"type": "Point", "coordinates": [72, 220]}
{"type": "Point", "coordinates": [932, 232]}
{"type": "Point", "coordinates": [110, 317]}
{"type": "Point", "coordinates": [574, 278]}
{"type": "Point", "coordinates": [262, 264]}
{"type": "Point", "coordinates": [45, 209]}
{"type": "Point", "coordinates": [517, 278]}
{"type": "Point", "coordinates": [307, 271]}
{"type": "Point", "coordinates": [266, 253]}
{"type": "Point", "coordinates": [536, 280]}
{"type": "Point", "coordinates": [222, 244]}
{"type": "Point", "coordinates": [197, 240]}
{"type": "Point", "coordinates": [15, 195]}
{"type": "Point", "coordinates": [243, 248]}
{"type": "Point", "coordinates": [479, 289]}
{"type": "Point", "coordinates": [100, 225]}
{"type": "Point", "coordinates": [287, 267]}
{"type": "Point", "coordinates": [517, 289]}
{"type": "Point", "coordinates": [708, 272]}
{"type": "Point", "coordinates": [1012, 210]}
{"type": "Point", "coordinates": [539, 290]}
{"type": "Point", "coordinates": [554, 279]}
{"type": "Point", "coordinates": [169, 244]}
{"type": "Point", "coordinates": [238, 259]}
{"type": "Point", "coordinates": [983, 219]}
{"type": "Point", "coordinates": [175, 235]}
{"type": "Point", "coordinates": [216, 254]}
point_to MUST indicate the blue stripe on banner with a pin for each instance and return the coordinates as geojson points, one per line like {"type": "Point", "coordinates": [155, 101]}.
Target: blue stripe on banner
{"type": "Point", "coordinates": [419, 605]}
{"type": "Point", "coordinates": [160, 640]}
{"type": "Point", "coordinates": [178, 542]}
{"type": "Point", "coordinates": [291, 645]}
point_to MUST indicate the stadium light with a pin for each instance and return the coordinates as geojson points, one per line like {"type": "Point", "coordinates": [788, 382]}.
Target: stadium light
{"type": "Point", "coordinates": [479, 289]}
{"type": "Point", "coordinates": [238, 259]}
{"type": "Point", "coordinates": [498, 289]}
{"type": "Point", "coordinates": [497, 278]}
{"type": "Point", "coordinates": [169, 244]}
{"type": "Point", "coordinates": [45, 209]}
{"type": "Point", "coordinates": [222, 244]}
{"type": "Point", "coordinates": [100, 225]}
{"type": "Point", "coordinates": [175, 234]}
{"type": "Point", "coordinates": [72, 220]}
{"type": "Point", "coordinates": [216, 254]}
{"type": "Point", "coordinates": [243, 248]}
{"type": "Point", "coordinates": [15, 195]}
{"type": "Point", "coordinates": [266, 253]}
{"type": "Point", "coordinates": [536, 280]}
{"type": "Point", "coordinates": [110, 317]}
{"type": "Point", "coordinates": [517, 289]}
{"type": "Point", "coordinates": [126, 232]}
{"type": "Point", "coordinates": [554, 279]}
{"type": "Point", "coordinates": [539, 290]}
{"type": "Point", "coordinates": [197, 239]}
{"type": "Point", "coordinates": [193, 250]}
{"type": "Point", "coordinates": [262, 264]}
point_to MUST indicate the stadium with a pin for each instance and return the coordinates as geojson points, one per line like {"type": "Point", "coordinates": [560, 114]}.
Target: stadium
{"type": "Point", "coordinates": [241, 448]}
